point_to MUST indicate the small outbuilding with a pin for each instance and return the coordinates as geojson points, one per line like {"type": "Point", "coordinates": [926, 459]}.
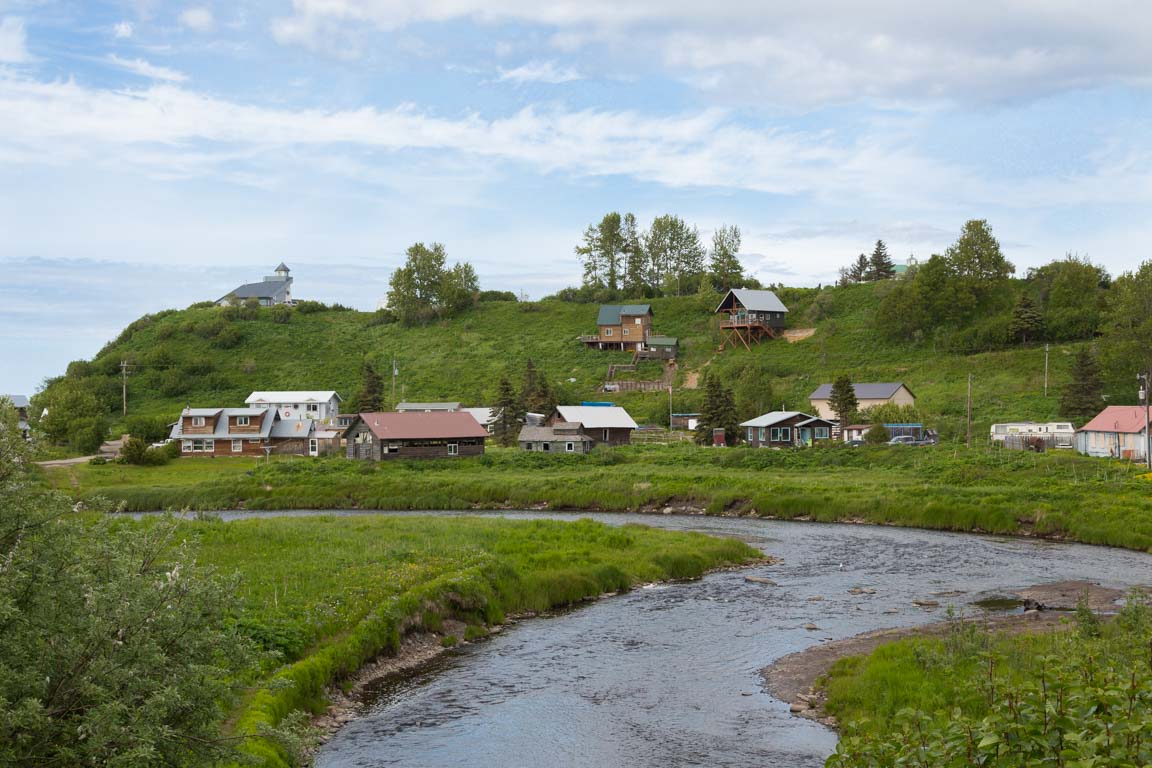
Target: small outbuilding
{"type": "Point", "coordinates": [433, 435]}
{"type": "Point", "coordinates": [561, 437]}
{"type": "Point", "coordinates": [1117, 432]}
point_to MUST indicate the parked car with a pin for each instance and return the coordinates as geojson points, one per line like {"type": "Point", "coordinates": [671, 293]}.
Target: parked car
{"type": "Point", "coordinates": [903, 440]}
{"type": "Point", "coordinates": [854, 443]}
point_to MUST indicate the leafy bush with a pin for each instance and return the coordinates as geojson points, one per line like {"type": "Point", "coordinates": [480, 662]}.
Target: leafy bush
{"type": "Point", "coordinates": [86, 435]}
{"type": "Point", "coordinates": [281, 314]}
{"type": "Point", "coordinates": [133, 450]}
{"type": "Point", "coordinates": [149, 428]}
{"type": "Point", "coordinates": [310, 307]}
{"type": "Point", "coordinates": [383, 316]}
{"type": "Point", "coordinates": [229, 338]}
{"type": "Point", "coordinates": [496, 296]}
{"type": "Point", "coordinates": [877, 434]}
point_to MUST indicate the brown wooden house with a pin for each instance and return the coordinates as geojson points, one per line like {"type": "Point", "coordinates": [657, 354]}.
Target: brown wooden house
{"type": "Point", "coordinates": [622, 326]}
{"type": "Point", "coordinates": [786, 429]}
{"type": "Point", "coordinates": [748, 317]}
{"type": "Point", "coordinates": [224, 431]}
{"type": "Point", "coordinates": [436, 435]}
{"type": "Point", "coordinates": [605, 425]}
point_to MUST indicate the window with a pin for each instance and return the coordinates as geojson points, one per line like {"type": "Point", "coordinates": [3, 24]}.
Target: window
{"type": "Point", "coordinates": [209, 446]}
{"type": "Point", "coordinates": [625, 331]}
{"type": "Point", "coordinates": [237, 446]}
{"type": "Point", "coordinates": [453, 449]}
{"type": "Point", "coordinates": [639, 321]}
{"type": "Point", "coordinates": [393, 449]}
{"type": "Point", "coordinates": [751, 431]}
{"type": "Point", "coordinates": [570, 447]}
{"type": "Point", "coordinates": [242, 421]}
{"type": "Point", "coordinates": [821, 433]}
{"type": "Point", "coordinates": [186, 446]}
{"type": "Point", "coordinates": [197, 421]}
{"type": "Point", "coordinates": [774, 434]}
{"type": "Point", "coordinates": [785, 434]}
{"type": "Point", "coordinates": [313, 407]}
{"type": "Point", "coordinates": [546, 446]}
{"type": "Point", "coordinates": [761, 434]}
{"type": "Point", "coordinates": [607, 331]}
{"type": "Point", "coordinates": [606, 434]}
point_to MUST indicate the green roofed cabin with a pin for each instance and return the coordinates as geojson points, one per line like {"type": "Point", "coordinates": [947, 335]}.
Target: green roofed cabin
{"type": "Point", "coordinates": [660, 348]}
{"type": "Point", "coordinates": [622, 326]}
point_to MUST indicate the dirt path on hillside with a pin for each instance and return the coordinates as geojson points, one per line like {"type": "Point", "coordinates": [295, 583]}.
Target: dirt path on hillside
{"type": "Point", "coordinates": [798, 334]}
{"type": "Point", "coordinates": [793, 678]}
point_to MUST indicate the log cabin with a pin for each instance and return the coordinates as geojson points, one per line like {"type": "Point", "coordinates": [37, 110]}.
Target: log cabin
{"type": "Point", "coordinates": [435, 435]}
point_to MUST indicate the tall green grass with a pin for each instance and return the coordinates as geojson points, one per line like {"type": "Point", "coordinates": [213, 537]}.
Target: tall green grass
{"type": "Point", "coordinates": [325, 595]}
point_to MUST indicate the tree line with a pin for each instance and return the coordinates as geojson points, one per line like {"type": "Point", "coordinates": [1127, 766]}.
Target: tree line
{"type": "Point", "coordinates": [869, 269]}
{"type": "Point", "coordinates": [622, 260]}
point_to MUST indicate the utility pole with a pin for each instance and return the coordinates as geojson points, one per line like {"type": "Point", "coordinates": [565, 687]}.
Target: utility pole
{"type": "Point", "coordinates": [1045, 370]}
{"type": "Point", "coordinates": [968, 437]}
{"type": "Point", "coordinates": [669, 409]}
{"type": "Point", "coordinates": [1146, 396]}
{"type": "Point", "coordinates": [395, 372]}
{"type": "Point", "coordinates": [124, 387]}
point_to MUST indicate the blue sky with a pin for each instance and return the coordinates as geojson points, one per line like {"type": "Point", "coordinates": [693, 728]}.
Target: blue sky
{"type": "Point", "coordinates": [154, 153]}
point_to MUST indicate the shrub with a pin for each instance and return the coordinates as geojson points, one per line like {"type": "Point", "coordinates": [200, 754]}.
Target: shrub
{"type": "Point", "coordinates": [310, 307]}
{"type": "Point", "coordinates": [496, 296]}
{"type": "Point", "coordinates": [133, 451]}
{"type": "Point", "coordinates": [281, 313]}
{"type": "Point", "coordinates": [448, 641]}
{"type": "Point", "coordinates": [87, 435]}
{"type": "Point", "coordinates": [148, 428]}
{"type": "Point", "coordinates": [382, 316]}
{"type": "Point", "coordinates": [229, 338]}
{"type": "Point", "coordinates": [97, 461]}
{"type": "Point", "coordinates": [877, 434]}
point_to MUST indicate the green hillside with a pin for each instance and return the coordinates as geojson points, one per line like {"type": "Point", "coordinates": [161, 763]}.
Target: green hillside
{"type": "Point", "coordinates": [209, 356]}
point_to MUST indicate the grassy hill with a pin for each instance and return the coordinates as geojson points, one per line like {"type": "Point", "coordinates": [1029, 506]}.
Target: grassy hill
{"type": "Point", "coordinates": [202, 357]}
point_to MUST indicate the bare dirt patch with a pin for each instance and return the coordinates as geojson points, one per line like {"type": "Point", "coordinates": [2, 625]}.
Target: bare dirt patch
{"type": "Point", "coordinates": [798, 334]}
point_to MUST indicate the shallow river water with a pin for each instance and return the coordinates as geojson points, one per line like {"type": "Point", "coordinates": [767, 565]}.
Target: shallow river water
{"type": "Point", "coordinates": [669, 675]}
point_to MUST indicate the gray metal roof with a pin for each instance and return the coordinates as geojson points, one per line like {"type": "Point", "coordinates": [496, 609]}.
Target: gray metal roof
{"type": "Point", "coordinates": [421, 407]}
{"type": "Point", "coordinates": [549, 435]}
{"type": "Point", "coordinates": [221, 431]}
{"type": "Point", "coordinates": [18, 401]}
{"type": "Point", "coordinates": [610, 314]}
{"type": "Point", "coordinates": [265, 289]}
{"type": "Point", "coordinates": [867, 391]}
{"type": "Point", "coordinates": [597, 416]}
{"type": "Point", "coordinates": [754, 301]}
{"type": "Point", "coordinates": [282, 268]}
{"type": "Point", "coordinates": [289, 428]}
{"type": "Point", "coordinates": [775, 417]}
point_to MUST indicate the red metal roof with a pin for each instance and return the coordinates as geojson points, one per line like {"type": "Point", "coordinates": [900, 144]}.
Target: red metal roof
{"type": "Point", "coordinates": [423, 426]}
{"type": "Point", "coordinates": [1117, 418]}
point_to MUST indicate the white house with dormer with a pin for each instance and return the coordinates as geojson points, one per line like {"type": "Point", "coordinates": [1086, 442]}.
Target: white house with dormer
{"type": "Point", "coordinates": [316, 405]}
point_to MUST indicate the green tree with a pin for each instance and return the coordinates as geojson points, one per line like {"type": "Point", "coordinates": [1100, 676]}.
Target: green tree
{"type": "Point", "coordinates": [424, 288]}
{"type": "Point", "coordinates": [752, 390]}
{"type": "Point", "coordinates": [880, 266]}
{"type": "Point", "coordinates": [724, 266]}
{"type": "Point", "coordinates": [1126, 342]}
{"type": "Point", "coordinates": [537, 395]}
{"type": "Point", "coordinates": [858, 272]}
{"type": "Point", "coordinates": [71, 407]}
{"type": "Point", "coordinates": [506, 428]}
{"type": "Point", "coordinates": [676, 257]}
{"type": "Point", "coordinates": [976, 254]}
{"type": "Point", "coordinates": [371, 397]}
{"type": "Point", "coordinates": [843, 400]}
{"type": "Point", "coordinates": [116, 648]}
{"type": "Point", "coordinates": [1027, 322]}
{"type": "Point", "coordinates": [635, 259]}
{"type": "Point", "coordinates": [1072, 295]}
{"type": "Point", "coordinates": [718, 411]}
{"type": "Point", "coordinates": [1083, 397]}
{"type": "Point", "coordinates": [602, 251]}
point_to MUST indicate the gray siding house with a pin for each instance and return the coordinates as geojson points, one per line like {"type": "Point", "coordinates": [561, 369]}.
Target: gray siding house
{"type": "Point", "coordinates": [272, 290]}
{"type": "Point", "coordinates": [561, 437]}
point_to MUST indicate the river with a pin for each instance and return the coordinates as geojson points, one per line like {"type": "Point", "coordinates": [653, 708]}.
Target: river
{"type": "Point", "coordinates": [669, 675]}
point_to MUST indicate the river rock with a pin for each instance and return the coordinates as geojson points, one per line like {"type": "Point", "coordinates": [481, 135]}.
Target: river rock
{"type": "Point", "coordinates": [797, 707]}
{"type": "Point", "coordinates": [760, 580]}
{"type": "Point", "coordinates": [861, 591]}
{"type": "Point", "coordinates": [811, 627]}
{"type": "Point", "coordinates": [926, 603]}
{"type": "Point", "coordinates": [815, 598]}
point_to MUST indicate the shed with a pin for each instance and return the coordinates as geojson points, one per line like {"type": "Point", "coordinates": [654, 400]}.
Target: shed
{"type": "Point", "coordinates": [603, 424]}
{"type": "Point", "coordinates": [1117, 432]}
{"type": "Point", "coordinates": [423, 435]}
{"type": "Point", "coordinates": [561, 437]}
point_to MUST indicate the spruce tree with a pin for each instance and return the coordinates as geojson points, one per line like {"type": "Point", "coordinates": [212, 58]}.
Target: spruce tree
{"type": "Point", "coordinates": [718, 411]}
{"type": "Point", "coordinates": [371, 390]}
{"type": "Point", "coordinates": [880, 266]}
{"type": "Point", "coordinates": [506, 428]}
{"type": "Point", "coordinates": [843, 400]}
{"type": "Point", "coordinates": [1083, 398]}
{"type": "Point", "coordinates": [1027, 322]}
{"type": "Point", "coordinates": [858, 272]}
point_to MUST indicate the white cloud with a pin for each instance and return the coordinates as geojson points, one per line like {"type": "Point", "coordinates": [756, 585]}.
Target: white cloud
{"type": "Point", "coordinates": [540, 72]}
{"type": "Point", "coordinates": [809, 52]}
{"type": "Point", "coordinates": [122, 30]}
{"type": "Point", "coordinates": [146, 69]}
{"type": "Point", "coordinates": [13, 41]}
{"type": "Point", "coordinates": [197, 18]}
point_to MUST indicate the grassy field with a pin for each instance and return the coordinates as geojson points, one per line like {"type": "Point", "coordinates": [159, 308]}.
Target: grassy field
{"type": "Point", "coordinates": [1076, 697]}
{"type": "Point", "coordinates": [177, 359]}
{"type": "Point", "coordinates": [327, 594]}
{"type": "Point", "coordinates": [1057, 494]}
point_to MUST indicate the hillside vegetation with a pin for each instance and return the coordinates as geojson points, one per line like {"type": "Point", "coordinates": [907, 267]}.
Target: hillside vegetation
{"type": "Point", "coordinates": [207, 356]}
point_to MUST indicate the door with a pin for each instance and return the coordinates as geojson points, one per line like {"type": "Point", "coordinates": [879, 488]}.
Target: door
{"type": "Point", "coordinates": [313, 447]}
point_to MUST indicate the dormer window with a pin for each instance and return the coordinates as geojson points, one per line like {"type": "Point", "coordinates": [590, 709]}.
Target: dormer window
{"type": "Point", "coordinates": [242, 421]}
{"type": "Point", "coordinates": [197, 421]}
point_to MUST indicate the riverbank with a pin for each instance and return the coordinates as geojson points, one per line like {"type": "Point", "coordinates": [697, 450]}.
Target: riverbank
{"type": "Point", "coordinates": [325, 596]}
{"type": "Point", "coordinates": [1056, 495]}
{"type": "Point", "coordinates": [797, 678]}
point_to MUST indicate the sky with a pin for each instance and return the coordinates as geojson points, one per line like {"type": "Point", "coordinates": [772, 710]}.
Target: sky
{"type": "Point", "coordinates": [154, 153]}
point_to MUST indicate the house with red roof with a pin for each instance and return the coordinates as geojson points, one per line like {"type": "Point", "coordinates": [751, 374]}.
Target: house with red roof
{"type": "Point", "coordinates": [423, 435]}
{"type": "Point", "coordinates": [1118, 431]}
